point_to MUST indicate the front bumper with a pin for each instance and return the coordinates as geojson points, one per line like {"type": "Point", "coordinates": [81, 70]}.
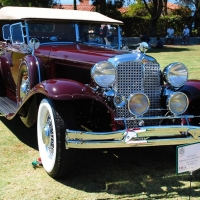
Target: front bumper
{"type": "Point", "coordinates": [143, 136]}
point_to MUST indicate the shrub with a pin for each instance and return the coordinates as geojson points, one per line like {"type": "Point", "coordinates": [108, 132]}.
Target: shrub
{"type": "Point", "coordinates": [134, 26]}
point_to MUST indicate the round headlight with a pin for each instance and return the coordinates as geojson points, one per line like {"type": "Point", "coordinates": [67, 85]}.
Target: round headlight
{"type": "Point", "coordinates": [177, 103]}
{"type": "Point", "coordinates": [138, 104]}
{"type": "Point", "coordinates": [104, 74]}
{"type": "Point", "coordinates": [176, 74]}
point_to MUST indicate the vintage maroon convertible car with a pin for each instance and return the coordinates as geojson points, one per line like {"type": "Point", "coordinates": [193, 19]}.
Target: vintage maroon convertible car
{"type": "Point", "coordinates": [85, 91]}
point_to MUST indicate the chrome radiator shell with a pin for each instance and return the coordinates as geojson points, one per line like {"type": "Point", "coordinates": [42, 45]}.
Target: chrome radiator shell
{"type": "Point", "coordinates": [139, 76]}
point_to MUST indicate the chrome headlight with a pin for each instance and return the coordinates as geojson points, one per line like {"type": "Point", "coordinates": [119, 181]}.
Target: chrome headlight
{"type": "Point", "coordinates": [138, 104]}
{"type": "Point", "coordinates": [104, 73]}
{"type": "Point", "coordinates": [176, 74]}
{"type": "Point", "coordinates": [177, 103]}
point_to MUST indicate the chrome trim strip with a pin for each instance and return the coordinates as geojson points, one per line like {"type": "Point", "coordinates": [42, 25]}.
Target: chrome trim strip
{"type": "Point", "coordinates": [55, 43]}
{"type": "Point", "coordinates": [38, 69]}
{"type": "Point", "coordinates": [121, 144]}
{"type": "Point", "coordinates": [77, 32]}
{"type": "Point", "coordinates": [145, 136]}
{"type": "Point", "coordinates": [155, 117]}
{"type": "Point", "coordinates": [94, 135]}
{"type": "Point", "coordinates": [27, 32]}
{"type": "Point", "coordinates": [119, 39]}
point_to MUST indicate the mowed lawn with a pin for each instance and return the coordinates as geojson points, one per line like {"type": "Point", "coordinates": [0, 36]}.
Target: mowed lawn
{"type": "Point", "coordinates": [189, 55]}
{"type": "Point", "coordinates": [108, 174]}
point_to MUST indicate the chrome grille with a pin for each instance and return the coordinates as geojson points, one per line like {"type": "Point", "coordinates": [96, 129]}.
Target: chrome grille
{"type": "Point", "coordinates": [136, 77]}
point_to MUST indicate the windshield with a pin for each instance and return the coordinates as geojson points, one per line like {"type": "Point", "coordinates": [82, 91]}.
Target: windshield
{"type": "Point", "coordinates": [97, 33]}
{"type": "Point", "coordinates": [47, 32]}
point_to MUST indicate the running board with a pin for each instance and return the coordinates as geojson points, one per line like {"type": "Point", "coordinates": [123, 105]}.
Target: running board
{"type": "Point", "coordinates": [7, 106]}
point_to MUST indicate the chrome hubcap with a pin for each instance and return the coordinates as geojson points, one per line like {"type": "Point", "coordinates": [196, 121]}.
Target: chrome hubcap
{"type": "Point", "coordinates": [46, 134]}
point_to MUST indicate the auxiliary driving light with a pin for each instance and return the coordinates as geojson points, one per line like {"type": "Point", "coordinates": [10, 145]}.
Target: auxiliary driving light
{"type": "Point", "coordinates": [138, 104]}
{"type": "Point", "coordinates": [177, 103]}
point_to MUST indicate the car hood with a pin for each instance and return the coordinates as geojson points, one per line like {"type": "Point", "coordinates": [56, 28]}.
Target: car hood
{"type": "Point", "coordinates": [78, 52]}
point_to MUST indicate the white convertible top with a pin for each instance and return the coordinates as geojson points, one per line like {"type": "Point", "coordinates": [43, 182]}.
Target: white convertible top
{"type": "Point", "coordinates": [22, 13]}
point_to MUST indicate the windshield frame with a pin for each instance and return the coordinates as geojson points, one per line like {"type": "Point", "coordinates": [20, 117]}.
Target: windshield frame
{"type": "Point", "coordinates": [52, 30]}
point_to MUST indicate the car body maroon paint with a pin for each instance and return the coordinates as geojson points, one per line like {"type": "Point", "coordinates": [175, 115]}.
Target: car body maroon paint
{"type": "Point", "coordinates": [63, 89]}
{"type": "Point", "coordinates": [85, 90]}
{"type": "Point", "coordinates": [192, 88]}
{"type": "Point", "coordinates": [82, 53]}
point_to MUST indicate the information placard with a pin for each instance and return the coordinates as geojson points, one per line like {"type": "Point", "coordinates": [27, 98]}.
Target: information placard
{"type": "Point", "coordinates": [187, 158]}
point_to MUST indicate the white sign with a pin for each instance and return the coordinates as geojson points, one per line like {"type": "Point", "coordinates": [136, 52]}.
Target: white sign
{"type": "Point", "coordinates": [188, 158]}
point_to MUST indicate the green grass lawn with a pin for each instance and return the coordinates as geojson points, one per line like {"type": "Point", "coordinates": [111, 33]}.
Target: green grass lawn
{"type": "Point", "coordinates": [133, 173]}
{"type": "Point", "coordinates": [189, 55]}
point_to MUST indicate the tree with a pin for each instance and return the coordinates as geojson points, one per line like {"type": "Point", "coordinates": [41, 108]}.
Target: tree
{"type": "Point", "coordinates": [104, 6]}
{"type": "Point", "coordinates": [75, 8]}
{"type": "Point", "coordinates": [195, 5]}
{"type": "Point", "coordinates": [75, 4]}
{"type": "Point", "coordinates": [165, 7]}
{"type": "Point", "coordinates": [112, 10]}
{"type": "Point", "coordinates": [182, 11]}
{"type": "Point", "coordinates": [100, 6]}
{"type": "Point", "coordinates": [155, 8]}
{"type": "Point", "coordinates": [137, 9]}
{"type": "Point", "coordinates": [30, 3]}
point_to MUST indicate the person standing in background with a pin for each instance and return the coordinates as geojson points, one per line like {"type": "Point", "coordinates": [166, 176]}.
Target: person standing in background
{"type": "Point", "coordinates": [186, 35]}
{"type": "Point", "coordinates": [170, 35]}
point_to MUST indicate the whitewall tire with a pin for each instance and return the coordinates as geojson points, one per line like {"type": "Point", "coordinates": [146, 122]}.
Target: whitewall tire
{"type": "Point", "coordinates": [51, 128]}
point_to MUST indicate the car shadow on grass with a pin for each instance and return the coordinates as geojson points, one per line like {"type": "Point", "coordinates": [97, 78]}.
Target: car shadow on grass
{"type": "Point", "coordinates": [129, 173]}
{"type": "Point", "coordinates": [146, 172]}
{"type": "Point", "coordinates": [168, 48]}
{"type": "Point", "coordinates": [26, 135]}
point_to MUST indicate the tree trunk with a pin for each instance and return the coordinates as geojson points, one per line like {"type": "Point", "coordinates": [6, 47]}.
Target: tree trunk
{"type": "Point", "coordinates": [102, 7]}
{"type": "Point", "coordinates": [97, 6]}
{"type": "Point", "coordinates": [165, 7]}
{"type": "Point", "coordinates": [155, 10]}
{"type": "Point", "coordinates": [153, 27]}
{"type": "Point", "coordinates": [75, 7]}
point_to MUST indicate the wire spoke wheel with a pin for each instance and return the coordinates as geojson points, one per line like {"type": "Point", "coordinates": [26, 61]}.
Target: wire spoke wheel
{"type": "Point", "coordinates": [56, 160]}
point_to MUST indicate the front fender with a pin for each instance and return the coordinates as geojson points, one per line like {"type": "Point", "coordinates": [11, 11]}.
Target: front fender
{"type": "Point", "coordinates": [192, 90]}
{"type": "Point", "coordinates": [56, 89]}
{"type": "Point", "coordinates": [65, 89]}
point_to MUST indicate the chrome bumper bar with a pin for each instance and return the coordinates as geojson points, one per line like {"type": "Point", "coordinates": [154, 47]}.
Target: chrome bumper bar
{"type": "Point", "coordinates": [143, 136]}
